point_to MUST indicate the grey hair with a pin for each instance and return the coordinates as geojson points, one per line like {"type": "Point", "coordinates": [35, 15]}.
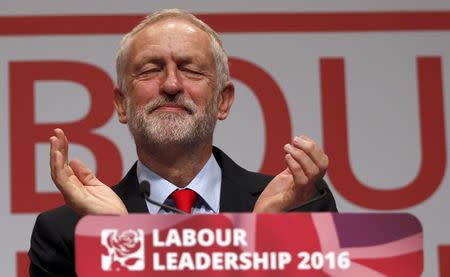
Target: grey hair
{"type": "Point", "coordinates": [219, 54]}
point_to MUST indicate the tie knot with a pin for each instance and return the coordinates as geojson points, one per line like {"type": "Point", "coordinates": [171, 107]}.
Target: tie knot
{"type": "Point", "coordinates": [184, 199]}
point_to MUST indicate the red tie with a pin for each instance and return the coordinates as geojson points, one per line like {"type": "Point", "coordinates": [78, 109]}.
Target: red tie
{"type": "Point", "coordinates": [184, 199]}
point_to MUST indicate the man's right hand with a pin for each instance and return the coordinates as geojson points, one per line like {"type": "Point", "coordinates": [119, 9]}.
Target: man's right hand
{"type": "Point", "coordinates": [82, 191]}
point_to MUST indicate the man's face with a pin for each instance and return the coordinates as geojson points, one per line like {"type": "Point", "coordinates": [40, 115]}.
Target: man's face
{"type": "Point", "coordinates": [171, 81]}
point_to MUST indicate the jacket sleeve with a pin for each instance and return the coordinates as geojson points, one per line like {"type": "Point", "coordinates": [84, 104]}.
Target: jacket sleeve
{"type": "Point", "coordinates": [323, 201]}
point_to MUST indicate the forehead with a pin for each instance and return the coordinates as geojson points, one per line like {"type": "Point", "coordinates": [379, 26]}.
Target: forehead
{"type": "Point", "coordinates": [174, 36]}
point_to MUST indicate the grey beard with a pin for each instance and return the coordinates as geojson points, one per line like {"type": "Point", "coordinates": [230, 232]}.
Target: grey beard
{"type": "Point", "coordinates": [158, 129]}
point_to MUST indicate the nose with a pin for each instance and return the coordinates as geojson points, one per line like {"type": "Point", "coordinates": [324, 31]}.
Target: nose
{"type": "Point", "coordinates": [171, 83]}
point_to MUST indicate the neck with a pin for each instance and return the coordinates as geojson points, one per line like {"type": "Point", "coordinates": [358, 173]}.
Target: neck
{"type": "Point", "coordinates": [179, 164]}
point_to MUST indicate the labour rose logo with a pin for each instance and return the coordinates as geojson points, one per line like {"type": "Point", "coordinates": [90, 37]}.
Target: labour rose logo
{"type": "Point", "coordinates": [124, 250]}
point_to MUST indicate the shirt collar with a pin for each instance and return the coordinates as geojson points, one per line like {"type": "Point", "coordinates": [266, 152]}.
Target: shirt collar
{"type": "Point", "coordinates": [206, 184]}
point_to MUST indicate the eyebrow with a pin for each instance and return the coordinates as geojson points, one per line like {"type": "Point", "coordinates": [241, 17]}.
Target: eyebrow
{"type": "Point", "coordinates": [146, 59]}
{"type": "Point", "coordinates": [158, 60]}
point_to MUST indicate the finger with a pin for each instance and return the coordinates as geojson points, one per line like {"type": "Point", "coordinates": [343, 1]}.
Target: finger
{"type": "Point", "coordinates": [84, 174]}
{"type": "Point", "coordinates": [56, 158]}
{"type": "Point", "coordinates": [63, 177]}
{"type": "Point", "coordinates": [305, 137]}
{"type": "Point", "coordinates": [309, 168]}
{"type": "Point", "coordinates": [62, 143]}
{"type": "Point", "coordinates": [313, 150]}
{"type": "Point", "coordinates": [299, 176]}
{"type": "Point", "coordinates": [61, 173]}
{"type": "Point", "coordinates": [58, 173]}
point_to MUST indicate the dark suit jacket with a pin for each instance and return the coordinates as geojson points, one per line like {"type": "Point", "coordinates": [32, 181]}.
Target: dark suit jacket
{"type": "Point", "coordinates": [52, 242]}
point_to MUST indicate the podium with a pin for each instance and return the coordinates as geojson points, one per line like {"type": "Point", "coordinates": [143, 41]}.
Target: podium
{"type": "Point", "coordinates": [244, 244]}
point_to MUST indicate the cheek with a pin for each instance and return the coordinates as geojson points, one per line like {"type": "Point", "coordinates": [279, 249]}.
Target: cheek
{"type": "Point", "coordinates": [202, 95]}
{"type": "Point", "coordinates": [142, 93]}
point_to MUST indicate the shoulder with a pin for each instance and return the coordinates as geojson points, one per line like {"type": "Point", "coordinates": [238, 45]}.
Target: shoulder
{"type": "Point", "coordinates": [62, 214]}
{"type": "Point", "coordinates": [60, 222]}
{"type": "Point", "coordinates": [52, 240]}
{"type": "Point", "coordinates": [57, 225]}
{"type": "Point", "coordinates": [51, 246]}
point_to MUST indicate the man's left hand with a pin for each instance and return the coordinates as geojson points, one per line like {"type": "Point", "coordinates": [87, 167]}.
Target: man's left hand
{"type": "Point", "coordinates": [306, 163]}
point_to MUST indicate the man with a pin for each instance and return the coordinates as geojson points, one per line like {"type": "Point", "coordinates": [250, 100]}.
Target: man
{"type": "Point", "coordinates": [172, 85]}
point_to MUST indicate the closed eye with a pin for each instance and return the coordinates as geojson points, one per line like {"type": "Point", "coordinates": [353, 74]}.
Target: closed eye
{"type": "Point", "coordinates": [149, 71]}
{"type": "Point", "coordinates": [191, 71]}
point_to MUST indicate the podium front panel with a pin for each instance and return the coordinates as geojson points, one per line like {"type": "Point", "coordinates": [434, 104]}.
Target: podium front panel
{"type": "Point", "coordinates": [292, 244]}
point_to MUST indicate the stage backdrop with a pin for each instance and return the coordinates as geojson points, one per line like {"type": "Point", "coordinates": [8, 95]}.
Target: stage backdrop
{"type": "Point", "coordinates": [368, 81]}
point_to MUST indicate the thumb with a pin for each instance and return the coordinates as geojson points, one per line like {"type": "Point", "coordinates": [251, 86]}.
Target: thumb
{"type": "Point", "coordinates": [287, 171]}
{"type": "Point", "coordinates": [84, 174]}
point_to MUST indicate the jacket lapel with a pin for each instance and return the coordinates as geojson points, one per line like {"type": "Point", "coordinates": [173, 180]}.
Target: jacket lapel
{"type": "Point", "coordinates": [128, 191]}
{"type": "Point", "coordinates": [240, 188]}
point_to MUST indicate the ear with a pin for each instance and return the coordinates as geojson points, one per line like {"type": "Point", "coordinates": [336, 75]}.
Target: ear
{"type": "Point", "coordinates": [226, 99]}
{"type": "Point", "coordinates": [120, 103]}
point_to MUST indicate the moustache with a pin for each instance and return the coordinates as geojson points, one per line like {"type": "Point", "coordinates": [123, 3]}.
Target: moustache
{"type": "Point", "coordinates": [187, 104]}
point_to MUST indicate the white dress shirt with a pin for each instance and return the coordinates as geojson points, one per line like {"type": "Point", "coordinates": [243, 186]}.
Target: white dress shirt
{"type": "Point", "coordinates": [206, 184]}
